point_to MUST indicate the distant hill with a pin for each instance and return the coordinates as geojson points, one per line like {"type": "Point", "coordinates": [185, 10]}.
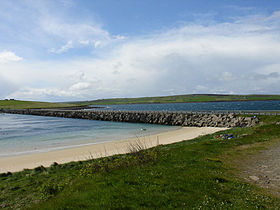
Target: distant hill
{"type": "Point", "coordinates": [16, 104]}
{"type": "Point", "coordinates": [180, 99]}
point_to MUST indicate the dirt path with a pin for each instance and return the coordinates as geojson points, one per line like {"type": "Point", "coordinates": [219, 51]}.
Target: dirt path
{"type": "Point", "coordinates": [263, 169]}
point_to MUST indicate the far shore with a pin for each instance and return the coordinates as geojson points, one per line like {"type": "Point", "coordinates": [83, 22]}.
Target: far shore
{"type": "Point", "coordinates": [18, 163]}
{"type": "Point", "coordinates": [180, 102]}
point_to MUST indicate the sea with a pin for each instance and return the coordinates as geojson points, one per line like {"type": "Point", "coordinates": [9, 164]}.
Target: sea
{"type": "Point", "coordinates": [26, 134]}
{"type": "Point", "coordinates": [201, 106]}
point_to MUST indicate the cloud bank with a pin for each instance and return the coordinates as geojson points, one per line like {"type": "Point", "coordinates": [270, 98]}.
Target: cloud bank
{"type": "Point", "coordinates": [238, 57]}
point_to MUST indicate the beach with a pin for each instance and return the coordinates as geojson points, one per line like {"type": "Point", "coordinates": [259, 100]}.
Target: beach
{"type": "Point", "coordinates": [80, 153]}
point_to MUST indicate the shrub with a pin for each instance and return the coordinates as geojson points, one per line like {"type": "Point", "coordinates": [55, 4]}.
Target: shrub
{"type": "Point", "coordinates": [139, 155]}
{"type": "Point", "coordinates": [48, 190]}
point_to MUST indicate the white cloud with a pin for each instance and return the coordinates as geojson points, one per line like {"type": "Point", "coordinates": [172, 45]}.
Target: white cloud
{"type": "Point", "coordinates": [84, 42]}
{"type": "Point", "coordinates": [80, 86]}
{"type": "Point", "coordinates": [8, 56]}
{"type": "Point", "coordinates": [42, 93]}
{"type": "Point", "coordinates": [62, 49]}
{"type": "Point", "coordinates": [73, 33]}
{"type": "Point", "coordinates": [227, 76]}
{"type": "Point", "coordinates": [7, 87]}
{"type": "Point", "coordinates": [67, 30]}
{"type": "Point", "coordinates": [76, 33]}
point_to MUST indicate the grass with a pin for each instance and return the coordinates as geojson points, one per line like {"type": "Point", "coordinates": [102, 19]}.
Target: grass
{"type": "Point", "coordinates": [16, 104]}
{"type": "Point", "coordinates": [180, 99]}
{"type": "Point", "coordinates": [196, 174]}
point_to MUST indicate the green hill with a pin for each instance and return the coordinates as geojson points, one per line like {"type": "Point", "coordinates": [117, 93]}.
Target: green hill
{"type": "Point", "coordinates": [180, 99]}
{"type": "Point", "coordinates": [16, 104]}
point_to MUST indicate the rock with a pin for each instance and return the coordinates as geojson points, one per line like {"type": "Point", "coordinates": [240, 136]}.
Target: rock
{"type": "Point", "coordinates": [198, 119]}
{"type": "Point", "coordinates": [231, 116]}
{"type": "Point", "coordinates": [254, 178]}
{"type": "Point", "coordinates": [243, 135]}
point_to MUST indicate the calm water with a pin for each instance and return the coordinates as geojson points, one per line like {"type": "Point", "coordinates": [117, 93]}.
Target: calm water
{"type": "Point", "coordinates": [20, 134]}
{"type": "Point", "coordinates": [209, 106]}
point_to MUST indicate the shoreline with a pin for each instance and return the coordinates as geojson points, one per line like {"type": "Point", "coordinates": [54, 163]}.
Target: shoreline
{"type": "Point", "coordinates": [81, 153]}
{"type": "Point", "coordinates": [86, 144]}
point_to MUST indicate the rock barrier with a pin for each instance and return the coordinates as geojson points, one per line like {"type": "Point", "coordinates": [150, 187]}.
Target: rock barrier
{"type": "Point", "coordinates": [196, 119]}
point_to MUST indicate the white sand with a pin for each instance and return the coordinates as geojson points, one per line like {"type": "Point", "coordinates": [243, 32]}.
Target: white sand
{"type": "Point", "coordinates": [18, 163]}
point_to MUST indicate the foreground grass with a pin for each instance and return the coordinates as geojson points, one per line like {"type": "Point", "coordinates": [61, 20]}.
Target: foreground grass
{"type": "Point", "coordinates": [16, 104]}
{"type": "Point", "coordinates": [196, 174]}
{"type": "Point", "coordinates": [180, 99]}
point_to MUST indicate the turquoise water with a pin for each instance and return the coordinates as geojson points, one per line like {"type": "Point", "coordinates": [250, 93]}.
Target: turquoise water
{"type": "Point", "coordinates": [22, 134]}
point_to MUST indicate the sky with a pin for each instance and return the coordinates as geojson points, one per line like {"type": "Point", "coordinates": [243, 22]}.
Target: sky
{"type": "Point", "coordinates": [66, 50]}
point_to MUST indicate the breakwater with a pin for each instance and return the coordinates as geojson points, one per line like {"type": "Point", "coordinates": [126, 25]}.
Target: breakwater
{"type": "Point", "coordinates": [197, 119]}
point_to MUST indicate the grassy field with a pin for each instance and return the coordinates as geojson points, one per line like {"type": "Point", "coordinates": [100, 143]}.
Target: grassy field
{"type": "Point", "coordinates": [16, 104]}
{"type": "Point", "coordinates": [180, 99]}
{"type": "Point", "coordinates": [199, 174]}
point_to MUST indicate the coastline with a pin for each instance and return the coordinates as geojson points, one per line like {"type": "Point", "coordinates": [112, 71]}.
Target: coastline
{"type": "Point", "coordinates": [18, 163]}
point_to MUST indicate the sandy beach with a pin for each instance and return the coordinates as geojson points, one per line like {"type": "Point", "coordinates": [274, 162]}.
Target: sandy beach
{"type": "Point", "coordinates": [18, 163]}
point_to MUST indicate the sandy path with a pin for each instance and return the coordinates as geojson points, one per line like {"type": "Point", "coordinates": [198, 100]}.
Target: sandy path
{"type": "Point", "coordinates": [18, 163]}
{"type": "Point", "coordinates": [263, 169]}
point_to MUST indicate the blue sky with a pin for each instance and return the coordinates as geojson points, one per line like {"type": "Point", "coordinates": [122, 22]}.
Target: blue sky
{"type": "Point", "coordinates": [67, 50]}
